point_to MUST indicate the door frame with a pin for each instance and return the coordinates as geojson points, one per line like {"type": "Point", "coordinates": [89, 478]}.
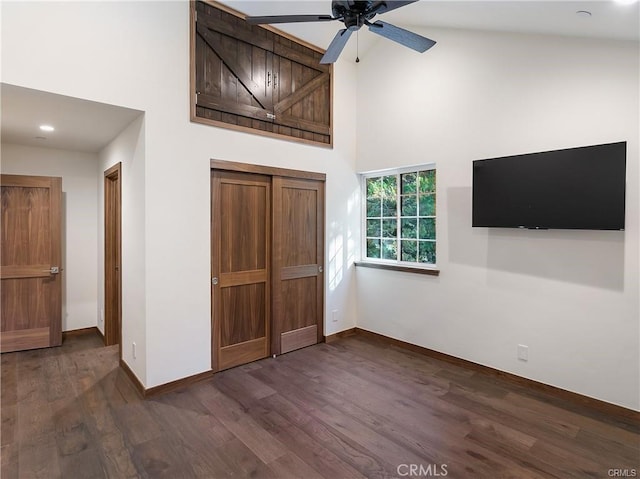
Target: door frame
{"type": "Point", "coordinates": [113, 219]}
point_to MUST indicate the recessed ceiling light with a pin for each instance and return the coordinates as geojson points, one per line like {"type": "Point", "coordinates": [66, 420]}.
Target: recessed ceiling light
{"type": "Point", "coordinates": [46, 128]}
{"type": "Point", "coordinates": [583, 13]}
{"type": "Point", "coordinates": [625, 2]}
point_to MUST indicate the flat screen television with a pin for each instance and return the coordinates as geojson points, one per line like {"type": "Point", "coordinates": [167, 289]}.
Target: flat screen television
{"type": "Point", "coordinates": [576, 188]}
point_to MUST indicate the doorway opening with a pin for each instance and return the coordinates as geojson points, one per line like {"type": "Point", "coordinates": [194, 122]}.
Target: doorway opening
{"type": "Point", "coordinates": [112, 257]}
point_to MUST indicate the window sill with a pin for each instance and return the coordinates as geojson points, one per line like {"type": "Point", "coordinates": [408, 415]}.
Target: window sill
{"type": "Point", "coordinates": [397, 267]}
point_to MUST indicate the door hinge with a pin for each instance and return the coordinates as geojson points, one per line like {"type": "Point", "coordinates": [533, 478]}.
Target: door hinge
{"type": "Point", "coordinates": [271, 116]}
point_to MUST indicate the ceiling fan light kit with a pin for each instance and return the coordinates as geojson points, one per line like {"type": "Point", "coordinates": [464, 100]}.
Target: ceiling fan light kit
{"type": "Point", "coordinates": [354, 14]}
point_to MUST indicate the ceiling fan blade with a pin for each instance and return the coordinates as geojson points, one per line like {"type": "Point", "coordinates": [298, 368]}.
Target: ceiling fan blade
{"type": "Point", "coordinates": [337, 44]}
{"type": "Point", "coordinates": [388, 5]}
{"type": "Point", "coordinates": [289, 19]}
{"type": "Point", "coordinates": [402, 36]}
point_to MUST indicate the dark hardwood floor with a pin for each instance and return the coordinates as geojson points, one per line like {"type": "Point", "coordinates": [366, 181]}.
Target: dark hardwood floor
{"type": "Point", "coordinates": [350, 409]}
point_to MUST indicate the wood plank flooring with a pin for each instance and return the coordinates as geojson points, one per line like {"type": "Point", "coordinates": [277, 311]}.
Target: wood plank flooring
{"type": "Point", "coordinates": [354, 408]}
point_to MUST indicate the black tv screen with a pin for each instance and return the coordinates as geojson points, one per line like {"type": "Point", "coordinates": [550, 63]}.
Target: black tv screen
{"type": "Point", "coordinates": [576, 188]}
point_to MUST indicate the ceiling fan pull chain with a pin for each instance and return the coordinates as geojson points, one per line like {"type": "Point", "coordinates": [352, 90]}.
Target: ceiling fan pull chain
{"type": "Point", "coordinates": [358, 46]}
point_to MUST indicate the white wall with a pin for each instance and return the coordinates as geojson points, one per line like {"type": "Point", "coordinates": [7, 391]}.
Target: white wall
{"type": "Point", "coordinates": [128, 148]}
{"type": "Point", "coordinates": [136, 54]}
{"type": "Point", "coordinates": [571, 296]}
{"type": "Point", "coordinates": [79, 223]}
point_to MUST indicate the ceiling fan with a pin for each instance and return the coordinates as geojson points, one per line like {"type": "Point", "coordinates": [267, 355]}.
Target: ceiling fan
{"type": "Point", "coordinates": [354, 14]}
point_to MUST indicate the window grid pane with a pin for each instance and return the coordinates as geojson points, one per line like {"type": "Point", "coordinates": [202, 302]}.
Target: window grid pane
{"type": "Point", "coordinates": [409, 228]}
{"type": "Point", "coordinates": [409, 251]}
{"type": "Point", "coordinates": [373, 228]}
{"type": "Point", "coordinates": [409, 205]}
{"type": "Point", "coordinates": [409, 183]}
{"type": "Point", "coordinates": [373, 248]}
{"type": "Point", "coordinates": [427, 252]}
{"type": "Point", "coordinates": [389, 249]}
{"type": "Point", "coordinates": [373, 187]}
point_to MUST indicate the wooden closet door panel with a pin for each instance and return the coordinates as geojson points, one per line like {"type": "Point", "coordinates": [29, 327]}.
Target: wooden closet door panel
{"type": "Point", "coordinates": [298, 258]}
{"type": "Point", "coordinates": [240, 268]}
{"type": "Point", "coordinates": [31, 302]}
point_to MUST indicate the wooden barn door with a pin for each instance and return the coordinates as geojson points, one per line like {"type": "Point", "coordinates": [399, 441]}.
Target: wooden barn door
{"type": "Point", "coordinates": [249, 78]}
{"type": "Point", "coordinates": [234, 82]}
{"type": "Point", "coordinates": [31, 290]}
{"type": "Point", "coordinates": [298, 258]}
{"type": "Point", "coordinates": [241, 231]}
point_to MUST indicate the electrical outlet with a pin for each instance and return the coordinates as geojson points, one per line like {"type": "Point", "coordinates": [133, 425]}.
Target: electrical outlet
{"type": "Point", "coordinates": [334, 315]}
{"type": "Point", "coordinates": [133, 349]}
{"type": "Point", "coordinates": [523, 352]}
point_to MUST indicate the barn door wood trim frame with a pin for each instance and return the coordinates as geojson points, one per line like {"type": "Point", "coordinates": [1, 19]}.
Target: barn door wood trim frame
{"type": "Point", "coordinates": [270, 100]}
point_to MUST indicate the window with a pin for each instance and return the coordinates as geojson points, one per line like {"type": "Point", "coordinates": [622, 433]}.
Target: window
{"type": "Point", "coordinates": [400, 216]}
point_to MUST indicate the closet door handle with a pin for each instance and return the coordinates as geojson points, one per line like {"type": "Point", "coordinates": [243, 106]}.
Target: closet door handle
{"type": "Point", "coordinates": [320, 269]}
{"type": "Point", "coordinates": [214, 281]}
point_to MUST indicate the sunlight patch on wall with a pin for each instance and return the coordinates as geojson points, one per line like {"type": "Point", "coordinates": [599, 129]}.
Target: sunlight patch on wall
{"type": "Point", "coordinates": [336, 257]}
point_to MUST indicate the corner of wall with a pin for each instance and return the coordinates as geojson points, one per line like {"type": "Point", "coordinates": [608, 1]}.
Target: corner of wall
{"type": "Point", "coordinates": [128, 148]}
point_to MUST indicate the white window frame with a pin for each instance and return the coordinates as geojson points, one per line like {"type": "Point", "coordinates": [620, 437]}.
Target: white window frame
{"type": "Point", "coordinates": [363, 216]}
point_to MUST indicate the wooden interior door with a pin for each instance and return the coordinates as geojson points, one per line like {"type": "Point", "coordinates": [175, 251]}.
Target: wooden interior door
{"type": "Point", "coordinates": [241, 292]}
{"type": "Point", "coordinates": [298, 260]}
{"type": "Point", "coordinates": [112, 256]}
{"type": "Point", "coordinates": [31, 291]}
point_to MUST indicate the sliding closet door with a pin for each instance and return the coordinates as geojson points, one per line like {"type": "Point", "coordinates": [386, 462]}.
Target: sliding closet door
{"type": "Point", "coordinates": [298, 259]}
{"type": "Point", "coordinates": [241, 232]}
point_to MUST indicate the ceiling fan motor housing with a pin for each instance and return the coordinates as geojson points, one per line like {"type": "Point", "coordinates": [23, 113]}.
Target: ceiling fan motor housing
{"type": "Point", "coordinates": [353, 13]}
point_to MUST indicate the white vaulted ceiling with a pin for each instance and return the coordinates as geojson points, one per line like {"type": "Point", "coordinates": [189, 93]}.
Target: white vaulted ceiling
{"type": "Point", "coordinates": [609, 18]}
{"type": "Point", "coordinates": [606, 19]}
